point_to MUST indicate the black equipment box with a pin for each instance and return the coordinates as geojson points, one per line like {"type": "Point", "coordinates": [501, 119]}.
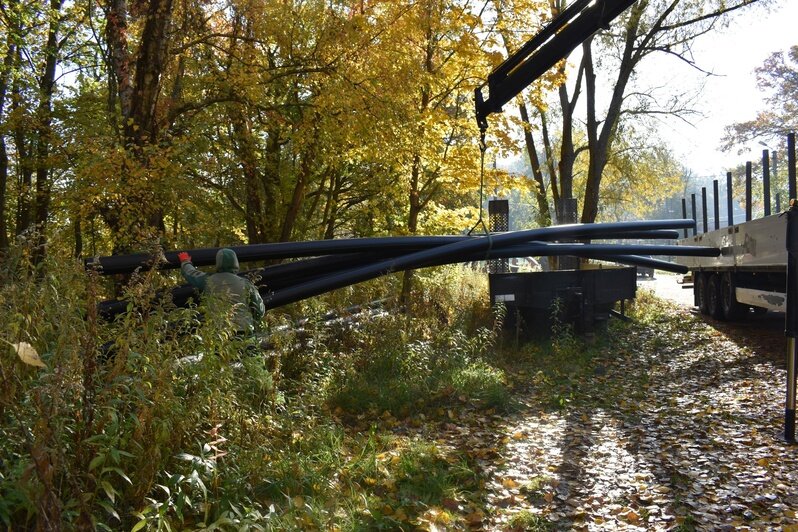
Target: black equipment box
{"type": "Point", "coordinates": [586, 297]}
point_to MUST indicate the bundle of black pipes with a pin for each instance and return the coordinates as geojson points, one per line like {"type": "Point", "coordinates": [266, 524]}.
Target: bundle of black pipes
{"type": "Point", "coordinates": [350, 261]}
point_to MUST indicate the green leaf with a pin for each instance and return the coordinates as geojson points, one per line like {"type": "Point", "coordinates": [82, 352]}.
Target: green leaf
{"type": "Point", "coordinates": [138, 526]}
{"type": "Point", "coordinates": [97, 461]}
{"type": "Point", "coordinates": [110, 509]}
{"type": "Point", "coordinates": [118, 472]}
{"type": "Point", "coordinates": [109, 490]}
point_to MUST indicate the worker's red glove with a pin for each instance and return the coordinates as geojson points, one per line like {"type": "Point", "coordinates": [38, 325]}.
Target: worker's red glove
{"type": "Point", "coordinates": [184, 257]}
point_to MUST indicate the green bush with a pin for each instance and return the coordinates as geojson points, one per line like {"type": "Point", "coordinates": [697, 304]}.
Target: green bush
{"type": "Point", "coordinates": [162, 420]}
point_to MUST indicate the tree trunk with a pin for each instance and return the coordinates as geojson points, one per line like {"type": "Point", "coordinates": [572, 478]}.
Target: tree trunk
{"type": "Point", "coordinates": [43, 132]}
{"type": "Point", "coordinates": [550, 162]}
{"type": "Point", "coordinates": [331, 209]}
{"type": "Point", "coordinates": [601, 134]}
{"type": "Point", "coordinates": [565, 166]}
{"type": "Point", "coordinates": [24, 166]}
{"type": "Point", "coordinates": [412, 225]}
{"type": "Point", "coordinates": [78, 230]}
{"type": "Point", "coordinates": [246, 153]}
{"type": "Point", "coordinates": [544, 215]}
{"type": "Point", "coordinates": [139, 215]}
{"type": "Point", "coordinates": [297, 198]}
{"type": "Point", "coordinates": [270, 186]}
{"type": "Point", "coordinates": [3, 187]}
{"type": "Point", "coordinates": [141, 126]}
{"type": "Point", "coordinates": [8, 63]}
{"type": "Point", "coordinates": [308, 161]}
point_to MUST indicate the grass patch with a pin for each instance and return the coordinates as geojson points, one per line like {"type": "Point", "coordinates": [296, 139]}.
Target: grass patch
{"type": "Point", "coordinates": [531, 522]}
{"type": "Point", "coordinates": [482, 382]}
{"type": "Point", "coordinates": [400, 370]}
{"type": "Point", "coordinates": [534, 488]}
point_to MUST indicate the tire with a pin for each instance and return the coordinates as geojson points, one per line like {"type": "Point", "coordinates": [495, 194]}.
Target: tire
{"type": "Point", "coordinates": [700, 292]}
{"type": "Point", "coordinates": [732, 309]}
{"type": "Point", "coordinates": [714, 306]}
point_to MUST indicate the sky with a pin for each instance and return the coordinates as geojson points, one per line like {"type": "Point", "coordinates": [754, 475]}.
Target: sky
{"type": "Point", "coordinates": [731, 95]}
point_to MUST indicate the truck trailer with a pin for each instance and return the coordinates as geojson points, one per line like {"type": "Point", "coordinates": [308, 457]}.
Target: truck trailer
{"type": "Point", "coordinates": [750, 274]}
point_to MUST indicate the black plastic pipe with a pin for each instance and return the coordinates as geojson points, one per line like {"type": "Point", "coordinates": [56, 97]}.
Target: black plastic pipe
{"type": "Point", "coordinates": [291, 276]}
{"type": "Point", "coordinates": [296, 271]}
{"type": "Point", "coordinates": [279, 250]}
{"type": "Point", "coordinates": [181, 295]}
{"type": "Point", "coordinates": [636, 260]}
{"type": "Point", "coordinates": [480, 245]}
{"type": "Point", "coordinates": [388, 246]}
{"type": "Point", "coordinates": [616, 253]}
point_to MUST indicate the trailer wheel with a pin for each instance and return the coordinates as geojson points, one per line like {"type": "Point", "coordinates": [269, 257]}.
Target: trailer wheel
{"type": "Point", "coordinates": [700, 292]}
{"type": "Point", "coordinates": [732, 309]}
{"type": "Point", "coordinates": [713, 298]}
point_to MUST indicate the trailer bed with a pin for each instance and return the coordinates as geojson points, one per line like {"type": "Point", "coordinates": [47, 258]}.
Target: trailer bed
{"type": "Point", "coordinates": [757, 245]}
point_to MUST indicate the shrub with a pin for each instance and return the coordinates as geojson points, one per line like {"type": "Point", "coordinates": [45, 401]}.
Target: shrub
{"type": "Point", "coordinates": [162, 419]}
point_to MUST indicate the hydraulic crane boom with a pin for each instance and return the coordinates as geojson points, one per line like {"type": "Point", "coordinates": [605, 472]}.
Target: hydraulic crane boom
{"type": "Point", "coordinates": [568, 30]}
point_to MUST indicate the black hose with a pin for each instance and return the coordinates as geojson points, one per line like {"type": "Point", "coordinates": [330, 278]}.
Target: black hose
{"type": "Point", "coordinates": [387, 246]}
{"type": "Point", "coordinates": [474, 247]}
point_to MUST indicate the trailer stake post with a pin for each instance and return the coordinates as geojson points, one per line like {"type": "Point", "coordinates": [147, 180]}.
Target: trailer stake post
{"type": "Point", "coordinates": [766, 181]}
{"type": "Point", "coordinates": [748, 200]}
{"type": "Point", "coordinates": [729, 198]}
{"type": "Point", "coordinates": [791, 165]}
{"type": "Point", "coordinates": [684, 213]}
{"type": "Point", "coordinates": [791, 320]}
{"type": "Point", "coordinates": [695, 216]}
{"type": "Point", "coordinates": [716, 203]}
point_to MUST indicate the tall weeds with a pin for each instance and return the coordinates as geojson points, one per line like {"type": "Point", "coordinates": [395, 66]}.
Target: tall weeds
{"type": "Point", "coordinates": [162, 419]}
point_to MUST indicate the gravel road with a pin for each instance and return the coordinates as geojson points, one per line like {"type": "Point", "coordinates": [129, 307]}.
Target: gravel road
{"type": "Point", "coordinates": [666, 286]}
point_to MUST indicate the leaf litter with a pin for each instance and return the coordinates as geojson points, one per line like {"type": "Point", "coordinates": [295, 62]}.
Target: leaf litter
{"type": "Point", "coordinates": [678, 431]}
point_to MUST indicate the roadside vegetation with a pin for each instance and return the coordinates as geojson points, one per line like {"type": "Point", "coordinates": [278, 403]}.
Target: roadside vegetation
{"type": "Point", "coordinates": [160, 420]}
{"type": "Point", "coordinates": [425, 417]}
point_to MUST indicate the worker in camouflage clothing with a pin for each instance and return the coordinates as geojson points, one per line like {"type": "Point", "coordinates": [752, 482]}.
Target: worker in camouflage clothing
{"type": "Point", "coordinates": [226, 285]}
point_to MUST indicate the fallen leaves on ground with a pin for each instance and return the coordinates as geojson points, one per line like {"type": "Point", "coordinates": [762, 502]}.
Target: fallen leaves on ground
{"type": "Point", "coordinates": [679, 430]}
